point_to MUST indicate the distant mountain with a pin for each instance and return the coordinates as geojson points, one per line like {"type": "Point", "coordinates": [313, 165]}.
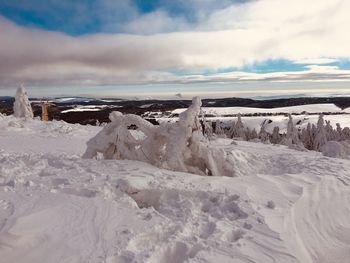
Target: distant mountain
{"type": "Point", "coordinates": [63, 108]}
{"type": "Point", "coordinates": [6, 98]}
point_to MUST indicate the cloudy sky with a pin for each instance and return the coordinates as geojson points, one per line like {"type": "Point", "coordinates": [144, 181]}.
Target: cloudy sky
{"type": "Point", "coordinates": [164, 47]}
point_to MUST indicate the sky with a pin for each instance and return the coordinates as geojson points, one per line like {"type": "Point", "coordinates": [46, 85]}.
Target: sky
{"type": "Point", "coordinates": [167, 47]}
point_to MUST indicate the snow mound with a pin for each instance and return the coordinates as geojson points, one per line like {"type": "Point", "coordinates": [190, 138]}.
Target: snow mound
{"type": "Point", "coordinates": [337, 149]}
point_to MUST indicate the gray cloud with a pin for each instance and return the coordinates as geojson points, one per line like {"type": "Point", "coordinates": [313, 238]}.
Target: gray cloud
{"type": "Point", "coordinates": [37, 57]}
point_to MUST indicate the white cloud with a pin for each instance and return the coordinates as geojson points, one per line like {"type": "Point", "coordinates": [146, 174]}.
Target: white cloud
{"type": "Point", "coordinates": [316, 61]}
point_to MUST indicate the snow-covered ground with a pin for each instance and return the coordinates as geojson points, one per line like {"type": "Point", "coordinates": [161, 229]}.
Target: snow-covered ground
{"type": "Point", "coordinates": [285, 205]}
{"type": "Point", "coordinates": [87, 108]}
{"type": "Point", "coordinates": [305, 114]}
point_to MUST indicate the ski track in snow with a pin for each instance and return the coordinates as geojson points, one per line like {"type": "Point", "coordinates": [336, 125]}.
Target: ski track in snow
{"type": "Point", "coordinates": [285, 205]}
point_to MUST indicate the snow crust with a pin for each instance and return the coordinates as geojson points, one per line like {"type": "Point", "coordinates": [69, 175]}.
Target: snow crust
{"type": "Point", "coordinates": [283, 206]}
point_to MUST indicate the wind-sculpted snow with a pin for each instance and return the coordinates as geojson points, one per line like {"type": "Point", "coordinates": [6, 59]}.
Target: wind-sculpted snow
{"type": "Point", "coordinates": [286, 205]}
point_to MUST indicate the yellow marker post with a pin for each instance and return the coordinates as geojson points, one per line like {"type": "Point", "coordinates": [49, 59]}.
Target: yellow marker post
{"type": "Point", "coordinates": [45, 112]}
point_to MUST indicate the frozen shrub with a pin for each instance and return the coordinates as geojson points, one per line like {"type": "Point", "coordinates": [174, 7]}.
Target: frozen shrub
{"type": "Point", "coordinates": [21, 107]}
{"type": "Point", "coordinates": [177, 146]}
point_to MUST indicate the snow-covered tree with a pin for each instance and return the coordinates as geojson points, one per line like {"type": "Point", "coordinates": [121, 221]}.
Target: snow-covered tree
{"type": "Point", "coordinates": [177, 146]}
{"type": "Point", "coordinates": [21, 107]}
{"type": "Point", "coordinates": [339, 132]}
{"type": "Point", "coordinates": [320, 134]}
{"type": "Point", "coordinates": [292, 136]}
{"type": "Point", "coordinates": [345, 134]}
{"type": "Point", "coordinates": [275, 137]}
{"type": "Point", "coordinates": [331, 134]}
{"type": "Point", "coordinates": [253, 134]}
{"type": "Point", "coordinates": [250, 134]}
{"type": "Point", "coordinates": [237, 130]}
{"type": "Point", "coordinates": [207, 127]}
{"type": "Point", "coordinates": [218, 129]}
{"type": "Point", "coordinates": [307, 137]}
{"type": "Point", "coordinates": [263, 134]}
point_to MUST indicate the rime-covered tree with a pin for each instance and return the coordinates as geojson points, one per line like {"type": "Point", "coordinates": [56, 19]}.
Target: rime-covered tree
{"type": "Point", "coordinates": [339, 131]}
{"type": "Point", "coordinates": [253, 134]}
{"type": "Point", "coordinates": [275, 137]}
{"type": "Point", "coordinates": [218, 129]}
{"type": "Point", "coordinates": [237, 130]}
{"type": "Point", "coordinates": [320, 134]}
{"type": "Point", "coordinates": [207, 128]}
{"type": "Point", "coordinates": [22, 107]}
{"type": "Point", "coordinates": [263, 134]}
{"type": "Point", "coordinates": [307, 137]}
{"type": "Point", "coordinates": [330, 132]}
{"type": "Point", "coordinates": [345, 134]}
{"type": "Point", "coordinates": [292, 132]}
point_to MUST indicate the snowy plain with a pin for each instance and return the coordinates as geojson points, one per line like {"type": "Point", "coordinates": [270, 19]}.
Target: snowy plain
{"type": "Point", "coordinates": [284, 205]}
{"type": "Point", "coordinates": [304, 114]}
{"type": "Point", "coordinates": [310, 108]}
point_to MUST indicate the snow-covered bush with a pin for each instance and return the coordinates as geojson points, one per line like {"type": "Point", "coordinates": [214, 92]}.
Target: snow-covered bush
{"type": "Point", "coordinates": [177, 146]}
{"type": "Point", "coordinates": [21, 107]}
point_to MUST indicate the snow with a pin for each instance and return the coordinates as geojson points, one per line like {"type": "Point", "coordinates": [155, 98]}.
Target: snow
{"type": "Point", "coordinates": [272, 121]}
{"type": "Point", "coordinates": [336, 149]}
{"type": "Point", "coordinates": [283, 206]}
{"type": "Point", "coordinates": [88, 108]}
